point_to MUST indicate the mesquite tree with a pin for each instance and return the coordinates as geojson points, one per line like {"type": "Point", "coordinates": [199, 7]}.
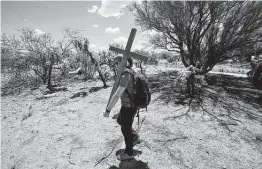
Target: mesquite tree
{"type": "Point", "coordinates": [104, 60]}
{"type": "Point", "coordinates": [42, 53]}
{"type": "Point", "coordinates": [12, 56]}
{"type": "Point", "coordinates": [29, 51]}
{"type": "Point", "coordinates": [96, 62]}
{"type": "Point", "coordinates": [87, 59]}
{"type": "Point", "coordinates": [204, 33]}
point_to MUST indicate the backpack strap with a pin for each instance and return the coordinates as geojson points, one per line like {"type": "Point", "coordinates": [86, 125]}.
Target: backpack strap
{"type": "Point", "coordinates": [137, 115]}
{"type": "Point", "coordinates": [123, 73]}
{"type": "Point", "coordinates": [130, 98]}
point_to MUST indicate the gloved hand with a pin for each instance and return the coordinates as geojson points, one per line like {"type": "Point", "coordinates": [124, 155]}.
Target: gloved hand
{"type": "Point", "coordinates": [106, 113]}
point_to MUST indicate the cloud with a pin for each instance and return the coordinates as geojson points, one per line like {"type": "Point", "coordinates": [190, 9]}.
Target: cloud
{"type": "Point", "coordinates": [146, 46]}
{"type": "Point", "coordinates": [25, 20]}
{"type": "Point", "coordinates": [74, 51]}
{"type": "Point", "coordinates": [150, 33]}
{"type": "Point", "coordinates": [143, 45]}
{"type": "Point", "coordinates": [112, 30]}
{"type": "Point", "coordinates": [39, 32]}
{"type": "Point", "coordinates": [93, 9]}
{"type": "Point", "coordinates": [112, 8]}
{"type": "Point", "coordinates": [120, 40]}
{"type": "Point", "coordinates": [102, 48]}
{"type": "Point", "coordinates": [92, 45]}
{"type": "Point", "coordinates": [94, 26]}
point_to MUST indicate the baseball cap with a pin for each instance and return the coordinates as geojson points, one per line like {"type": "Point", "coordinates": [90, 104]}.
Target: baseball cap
{"type": "Point", "coordinates": [117, 59]}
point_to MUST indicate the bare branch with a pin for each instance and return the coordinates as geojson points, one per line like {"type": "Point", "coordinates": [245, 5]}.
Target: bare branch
{"type": "Point", "coordinates": [203, 32]}
{"type": "Point", "coordinates": [99, 161]}
{"type": "Point", "coordinates": [174, 139]}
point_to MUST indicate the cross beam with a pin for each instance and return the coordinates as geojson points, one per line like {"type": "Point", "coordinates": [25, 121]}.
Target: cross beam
{"type": "Point", "coordinates": [133, 55]}
{"type": "Point", "coordinates": [126, 54]}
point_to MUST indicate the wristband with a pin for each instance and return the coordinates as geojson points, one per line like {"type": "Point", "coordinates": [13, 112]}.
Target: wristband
{"type": "Point", "coordinates": [107, 111]}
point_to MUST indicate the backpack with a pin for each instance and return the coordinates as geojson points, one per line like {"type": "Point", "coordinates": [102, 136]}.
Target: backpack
{"type": "Point", "coordinates": [142, 94]}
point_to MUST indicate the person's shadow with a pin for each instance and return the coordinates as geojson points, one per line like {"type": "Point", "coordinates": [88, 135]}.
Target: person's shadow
{"type": "Point", "coordinates": [130, 164]}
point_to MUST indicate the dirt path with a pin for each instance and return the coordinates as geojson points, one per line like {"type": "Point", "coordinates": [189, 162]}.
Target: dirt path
{"type": "Point", "coordinates": [60, 132]}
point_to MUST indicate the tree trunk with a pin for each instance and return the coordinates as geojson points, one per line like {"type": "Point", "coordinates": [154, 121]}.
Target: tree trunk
{"type": "Point", "coordinates": [190, 85]}
{"type": "Point", "coordinates": [102, 78]}
{"type": "Point", "coordinates": [183, 56]}
{"type": "Point", "coordinates": [49, 85]}
{"type": "Point", "coordinates": [141, 68]}
{"type": "Point", "coordinates": [257, 77]}
{"type": "Point", "coordinates": [44, 76]}
{"type": "Point", "coordinates": [85, 70]}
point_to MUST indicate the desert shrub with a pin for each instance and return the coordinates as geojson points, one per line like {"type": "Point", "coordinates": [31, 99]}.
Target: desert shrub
{"type": "Point", "coordinates": [152, 60]}
{"type": "Point", "coordinates": [221, 70]}
{"type": "Point", "coordinates": [15, 83]}
{"type": "Point", "coordinates": [171, 59]}
{"type": "Point", "coordinates": [164, 56]}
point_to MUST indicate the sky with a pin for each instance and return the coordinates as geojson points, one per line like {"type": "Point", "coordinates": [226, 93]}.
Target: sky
{"type": "Point", "coordinates": [103, 22]}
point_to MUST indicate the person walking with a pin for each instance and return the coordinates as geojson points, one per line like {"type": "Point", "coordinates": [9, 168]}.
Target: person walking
{"type": "Point", "coordinates": [125, 91]}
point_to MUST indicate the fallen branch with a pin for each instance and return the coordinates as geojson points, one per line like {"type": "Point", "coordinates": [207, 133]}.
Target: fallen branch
{"type": "Point", "coordinates": [78, 94]}
{"type": "Point", "coordinates": [174, 139]}
{"type": "Point", "coordinates": [139, 126]}
{"type": "Point", "coordinates": [57, 89]}
{"type": "Point", "coordinates": [146, 145]}
{"type": "Point", "coordinates": [69, 155]}
{"type": "Point", "coordinates": [47, 96]}
{"type": "Point", "coordinates": [181, 115]}
{"type": "Point", "coordinates": [14, 166]}
{"type": "Point", "coordinates": [229, 124]}
{"type": "Point", "coordinates": [98, 162]}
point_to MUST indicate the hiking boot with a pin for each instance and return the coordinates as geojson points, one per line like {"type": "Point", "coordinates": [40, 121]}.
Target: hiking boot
{"type": "Point", "coordinates": [136, 140]}
{"type": "Point", "coordinates": [124, 156]}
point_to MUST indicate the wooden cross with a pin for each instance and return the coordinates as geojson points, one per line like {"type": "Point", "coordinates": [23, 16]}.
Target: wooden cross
{"type": "Point", "coordinates": [126, 54]}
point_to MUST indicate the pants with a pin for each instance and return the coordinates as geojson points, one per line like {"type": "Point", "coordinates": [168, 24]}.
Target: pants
{"type": "Point", "coordinates": [126, 119]}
